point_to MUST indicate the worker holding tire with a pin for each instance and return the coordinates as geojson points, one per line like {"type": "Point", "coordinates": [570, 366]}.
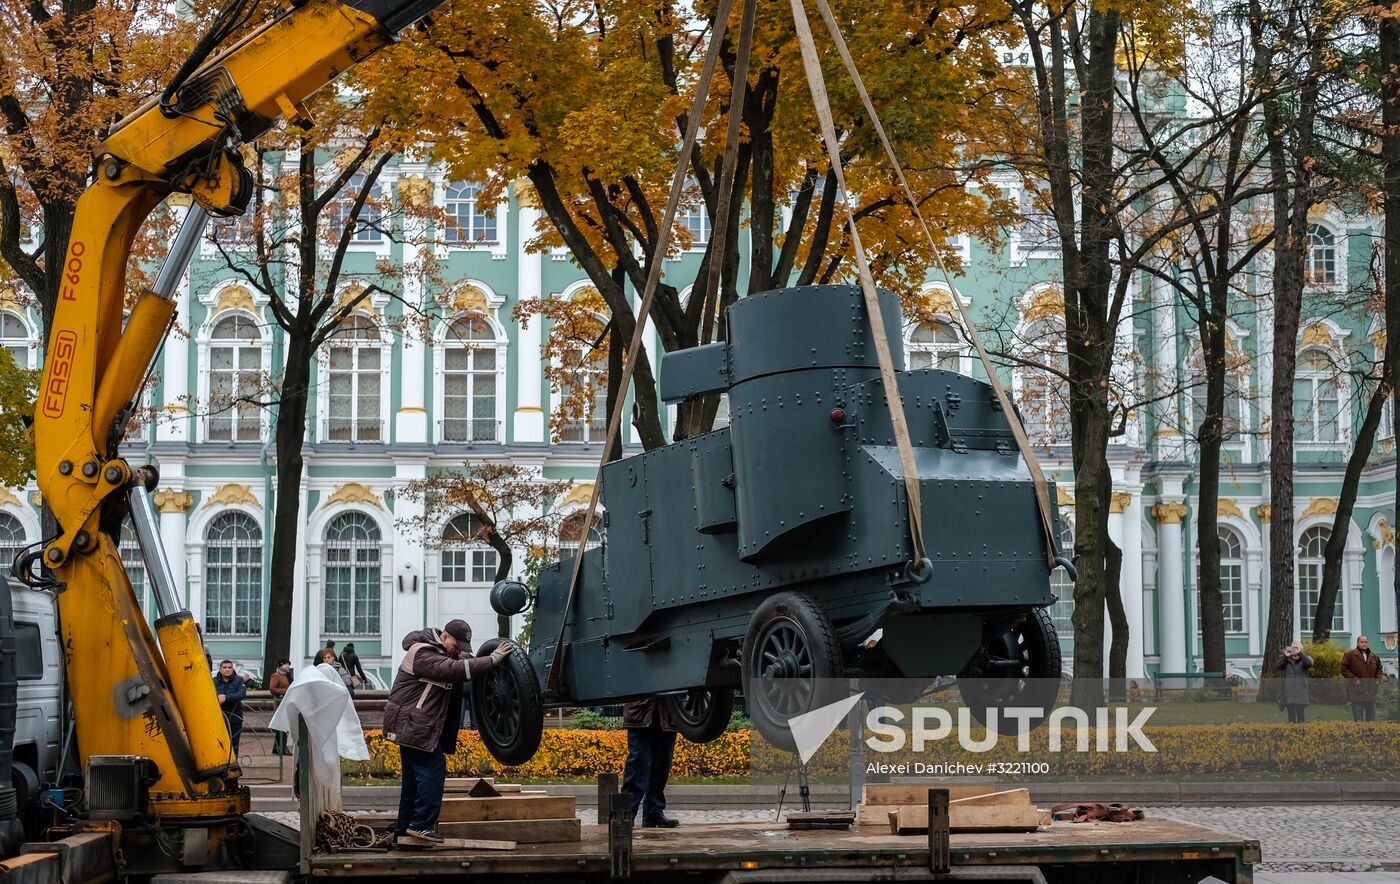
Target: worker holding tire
{"type": "Point", "coordinates": [651, 744]}
{"type": "Point", "coordinates": [422, 716]}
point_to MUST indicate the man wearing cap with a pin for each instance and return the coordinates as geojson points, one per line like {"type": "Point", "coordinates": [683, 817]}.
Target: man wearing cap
{"type": "Point", "coordinates": [422, 715]}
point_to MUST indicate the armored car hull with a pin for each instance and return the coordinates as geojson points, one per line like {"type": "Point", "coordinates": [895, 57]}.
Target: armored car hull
{"type": "Point", "coordinates": [778, 548]}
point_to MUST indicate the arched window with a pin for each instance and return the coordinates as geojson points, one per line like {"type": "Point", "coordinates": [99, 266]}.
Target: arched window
{"type": "Point", "coordinates": [1043, 398]}
{"type": "Point", "coordinates": [1317, 400]}
{"type": "Point", "coordinates": [233, 575]}
{"type": "Point", "coordinates": [695, 217]}
{"type": "Point", "coordinates": [466, 558]}
{"type": "Point", "coordinates": [1062, 612]}
{"type": "Point", "coordinates": [467, 222]}
{"type": "Point", "coordinates": [130, 551]}
{"type": "Point", "coordinates": [1233, 412]}
{"type": "Point", "coordinates": [352, 575]}
{"type": "Point", "coordinates": [1310, 549]}
{"type": "Point", "coordinates": [235, 380]}
{"type": "Point", "coordinates": [1321, 266]}
{"type": "Point", "coordinates": [12, 541]}
{"type": "Point", "coordinates": [588, 379]}
{"type": "Point", "coordinates": [368, 222]}
{"type": "Point", "coordinates": [572, 527]}
{"type": "Point", "coordinates": [354, 399]}
{"type": "Point", "coordinates": [470, 382]}
{"type": "Point", "coordinates": [936, 344]}
{"type": "Point", "coordinates": [14, 337]}
{"type": "Point", "coordinates": [1231, 581]}
{"type": "Point", "coordinates": [1385, 566]}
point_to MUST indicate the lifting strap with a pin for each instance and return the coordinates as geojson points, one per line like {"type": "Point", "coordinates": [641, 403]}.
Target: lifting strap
{"type": "Point", "coordinates": [817, 83]}
{"type": "Point", "coordinates": [1023, 445]}
{"type": "Point", "coordinates": [692, 128]}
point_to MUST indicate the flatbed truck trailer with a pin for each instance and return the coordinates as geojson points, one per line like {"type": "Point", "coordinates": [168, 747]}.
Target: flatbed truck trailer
{"type": "Point", "coordinates": [1155, 850]}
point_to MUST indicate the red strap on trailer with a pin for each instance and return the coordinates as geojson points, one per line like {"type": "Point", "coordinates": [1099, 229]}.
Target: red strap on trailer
{"type": "Point", "coordinates": [1093, 812]}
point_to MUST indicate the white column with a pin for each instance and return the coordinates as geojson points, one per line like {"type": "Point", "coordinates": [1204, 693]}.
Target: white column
{"type": "Point", "coordinates": [411, 423]}
{"type": "Point", "coordinates": [173, 419]}
{"type": "Point", "coordinates": [1261, 607]}
{"type": "Point", "coordinates": [1253, 576]}
{"type": "Point", "coordinates": [529, 372]}
{"type": "Point", "coordinates": [299, 652]}
{"type": "Point", "coordinates": [174, 506]}
{"type": "Point", "coordinates": [1164, 369]}
{"type": "Point", "coordinates": [1171, 588]}
{"type": "Point", "coordinates": [1115, 533]}
{"type": "Point", "coordinates": [407, 611]}
{"type": "Point", "coordinates": [1131, 581]}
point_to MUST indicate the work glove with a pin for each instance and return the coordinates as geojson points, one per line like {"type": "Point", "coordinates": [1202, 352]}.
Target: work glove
{"type": "Point", "coordinates": [501, 652]}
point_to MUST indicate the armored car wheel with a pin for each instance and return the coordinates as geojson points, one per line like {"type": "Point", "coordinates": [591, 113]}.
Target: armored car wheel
{"type": "Point", "coordinates": [508, 707]}
{"type": "Point", "coordinates": [1020, 669]}
{"type": "Point", "coordinates": [791, 664]}
{"type": "Point", "coordinates": [703, 714]}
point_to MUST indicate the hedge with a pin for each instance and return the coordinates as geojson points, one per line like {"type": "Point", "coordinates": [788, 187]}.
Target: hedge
{"type": "Point", "coordinates": [1371, 749]}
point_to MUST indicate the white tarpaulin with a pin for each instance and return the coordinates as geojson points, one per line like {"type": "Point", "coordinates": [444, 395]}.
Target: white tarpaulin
{"type": "Point", "coordinates": [320, 698]}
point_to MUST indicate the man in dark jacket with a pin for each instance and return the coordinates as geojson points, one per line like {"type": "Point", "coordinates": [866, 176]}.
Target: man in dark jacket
{"type": "Point", "coordinates": [422, 716]}
{"type": "Point", "coordinates": [231, 688]}
{"type": "Point", "coordinates": [1362, 670]}
{"type": "Point", "coordinates": [651, 744]}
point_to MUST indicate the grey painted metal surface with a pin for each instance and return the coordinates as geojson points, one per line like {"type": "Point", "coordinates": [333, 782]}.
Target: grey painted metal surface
{"type": "Point", "coordinates": [802, 492]}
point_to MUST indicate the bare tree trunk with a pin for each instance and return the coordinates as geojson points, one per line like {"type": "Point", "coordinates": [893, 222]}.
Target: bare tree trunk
{"type": "Point", "coordinates": [1346, 503]}
{"type": "Point", "coordinates": [1390, 152]}
{"type": "Point", "coordinates": [289, 430]}
{"type": "Point", "coordinates": [1113, 600]}
{"type": "Point", "coordinates": [1211, 436]}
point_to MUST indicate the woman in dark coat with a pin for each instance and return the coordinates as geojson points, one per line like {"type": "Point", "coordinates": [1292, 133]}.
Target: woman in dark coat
{"type": "Point", "coordinates": [1294, 665]}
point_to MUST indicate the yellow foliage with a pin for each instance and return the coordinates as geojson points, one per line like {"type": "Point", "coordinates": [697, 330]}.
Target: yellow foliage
{"type": "Point", "coordinates": [1215, 749]}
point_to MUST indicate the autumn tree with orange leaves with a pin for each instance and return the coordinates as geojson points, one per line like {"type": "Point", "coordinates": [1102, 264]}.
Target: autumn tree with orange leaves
{"type": "Point", "coordinates": [587, 102]}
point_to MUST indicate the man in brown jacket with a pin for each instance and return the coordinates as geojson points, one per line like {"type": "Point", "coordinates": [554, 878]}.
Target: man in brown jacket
{"type": "Point", "coordinates": [1362, 670]}
{"type": "Point", "coordinates": [277, 684]}
{"type": "Point", "coordinates": [422, 716]}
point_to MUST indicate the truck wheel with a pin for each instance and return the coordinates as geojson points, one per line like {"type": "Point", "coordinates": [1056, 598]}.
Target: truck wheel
{"type": "Point", "coordinates": [508, 707]}
{"type": "Point", "coordinates": [1020, 669]}
{"type": "Point", "coordinates": [792, 663]}
{"type": "Point", "coordinates": [702, 715]}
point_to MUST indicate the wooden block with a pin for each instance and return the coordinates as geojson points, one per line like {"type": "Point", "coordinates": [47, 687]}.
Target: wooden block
{"type": "Point", "coordinates": [912, 820]}
{"type": "Point", "coordinates": [508, 807]}
{"type": "Point", "coordinates": [466, 784]}
{"type": "Point", "coordinates": [885, 793]}
{"type": "Point", "coordinates": [1007, 798]}
{"type": "Point", "coordinates": [821, 819]}
{"type": "Point", "coordinates": [507, 788]}
{"type": "Point", "coordinates": [520, 831]}
{"type": "Point", "coordinates": [874, 814]}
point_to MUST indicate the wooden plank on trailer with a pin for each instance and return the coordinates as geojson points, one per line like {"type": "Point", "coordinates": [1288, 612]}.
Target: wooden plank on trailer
{"type": "Point", "coordinates": [508, 807]}
{"type": "Point", "coordinates": [410, 842]}
{"type": "Point", "coordinates": [1009, 797]}
{"type": "Point", "coordinates": [913, 820]}
{"type": "Point", "coordinates": [886, 793]}
{"type": "Point", "coordinates": [521, 831]}
{"type": "Point", "coordinates": [466, 784]}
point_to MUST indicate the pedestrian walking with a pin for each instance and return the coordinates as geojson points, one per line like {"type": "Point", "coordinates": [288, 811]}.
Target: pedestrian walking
{"type": "Point", "coordinates": [1294, 665]}
{"type": "Point", "coordinates": [651, 744]}
{"type": "Point", "coordinates": [350, 662]}
{"type": "Point", "coordinates": [231, 689]}
{"type": "Point", "coordinates": [422, 717]}
{"type": "Point", "coordinates": [1362, 669]}
{"type": "Point", "coordinates": [277, 684]}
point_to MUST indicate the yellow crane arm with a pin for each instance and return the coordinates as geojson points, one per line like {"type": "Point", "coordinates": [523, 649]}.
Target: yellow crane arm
{"type": "Point", "coordinates": [132, 696]}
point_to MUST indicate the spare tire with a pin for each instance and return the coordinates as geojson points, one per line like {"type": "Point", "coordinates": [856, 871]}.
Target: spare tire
{"type": "Point", "coordinates": [508, 707]}
{"type": "Point", "coordinates": [701, 715]}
